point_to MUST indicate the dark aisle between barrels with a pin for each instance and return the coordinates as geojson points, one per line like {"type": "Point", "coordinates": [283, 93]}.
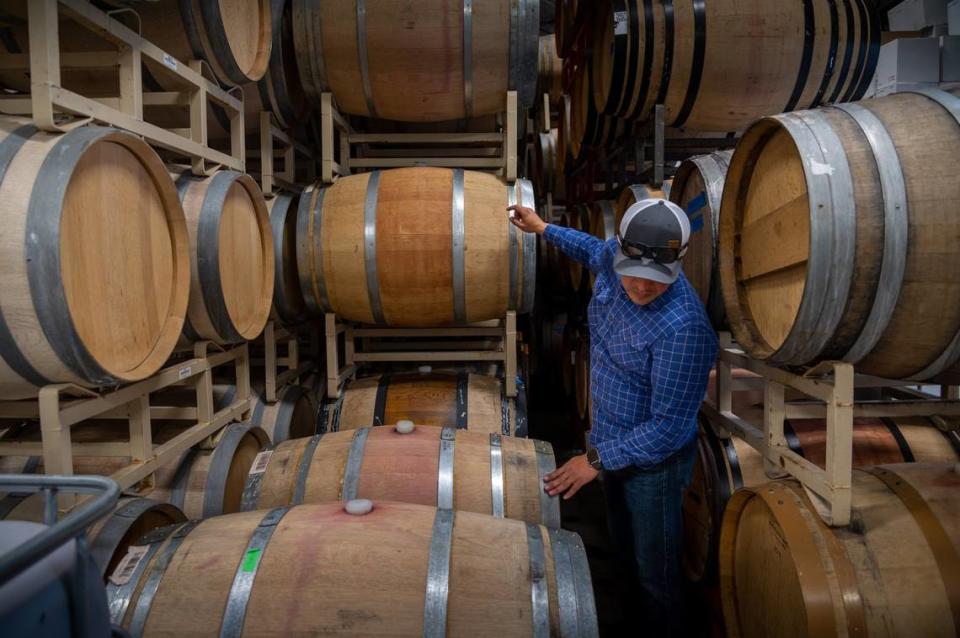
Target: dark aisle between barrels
{"type": "Point", "coordinates": [554, 418]}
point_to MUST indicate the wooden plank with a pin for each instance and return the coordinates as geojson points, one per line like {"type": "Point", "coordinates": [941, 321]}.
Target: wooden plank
{"type": "Point", "coordinates": [790, 221]}
{"type": "Point", "coordinates": [85, 13]}
{"type": "Point", "coordinates": [169, 140]}
{"type": "Point", "coordinates": [509, 163]}
{"type": "Point", "coordinates": [813, 387]}
{"type": "Point", "coordinates": [35, 448]}
{"type": "Point", "coordinates": [172, 449]}
{"type": "Point", "coordinates": [510, 360]}
{"type": "Point", "coordinates": [327, 169]}
{"type": "Point", "coordinates": [43, 33]}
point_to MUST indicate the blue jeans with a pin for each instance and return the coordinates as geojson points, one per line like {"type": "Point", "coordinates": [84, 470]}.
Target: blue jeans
{"type": "Point", "coordinates": [645, 519]}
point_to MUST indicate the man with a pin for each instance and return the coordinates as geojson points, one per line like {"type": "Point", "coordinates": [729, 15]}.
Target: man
{"type": "Point", "coordinates": [652, 348]}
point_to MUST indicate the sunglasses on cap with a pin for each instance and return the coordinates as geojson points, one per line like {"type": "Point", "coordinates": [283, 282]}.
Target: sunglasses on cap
{"type": "Point", "coordinates": [661, 254]}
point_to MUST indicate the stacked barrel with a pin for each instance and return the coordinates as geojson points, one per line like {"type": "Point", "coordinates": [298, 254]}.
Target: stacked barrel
{"type": "Point", "coordinates": [115, 261]}
{"type": "Point", "coordinates": [822, 250]}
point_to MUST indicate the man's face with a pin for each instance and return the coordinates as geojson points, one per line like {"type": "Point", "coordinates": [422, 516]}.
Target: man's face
{"type": "Point", "coordinates": [642, 291]}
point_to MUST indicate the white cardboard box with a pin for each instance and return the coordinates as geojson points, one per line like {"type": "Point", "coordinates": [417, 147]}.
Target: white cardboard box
{"type": "Point", "coordinates": [909, 60]}
{"type": "Point", "coordinates": [950, 58]}
{"type": "Point", "coordinates": [914, 15]}
{"type": "Point", "coordinates": [953, 17]}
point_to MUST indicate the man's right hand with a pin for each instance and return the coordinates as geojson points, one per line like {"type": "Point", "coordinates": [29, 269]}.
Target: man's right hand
{"type": "Point", "coordinates": [527, 220]}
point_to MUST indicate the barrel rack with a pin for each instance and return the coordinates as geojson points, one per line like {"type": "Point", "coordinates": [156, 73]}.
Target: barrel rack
{"type": "Point", "coordinates": [48, 100]}
{"type": "Point", "coordinates": [490, 341]}
{"type": "Point", "coordinates": [277, 144]}
{"type": "Point", "coordinates": [493, 151]}
{"type": "Point", "coordinates": [275, 339]}
{"type": "Point", "coordinates": [831, 386]}
{"type": "Point", "coordinates": [63, 405]}
{"type": "Point", "coordinates": [649, 156]}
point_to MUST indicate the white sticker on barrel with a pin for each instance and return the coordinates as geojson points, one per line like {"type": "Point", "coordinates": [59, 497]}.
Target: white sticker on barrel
{"type": "Point", "coordinates": [358, 506]}
{"type": "Point", "coordinates": [169, 61]}
{"type": "Point", "coordinates": [260, 462]}
{"type": "Point", "coordinates": [425, 369]}
{"type": "Point", "coordinates": [184, 372]}
{"type": "Point", "coordinates": [573, 357]}
{"type": "Point", "coordinates": [404, 426]}
{"type": "Point", "coordinates": [128, 565]}
{"type": "Point", "coordinates": [620, 23]}
{"type": "Point", "coordinates": [819, 168]}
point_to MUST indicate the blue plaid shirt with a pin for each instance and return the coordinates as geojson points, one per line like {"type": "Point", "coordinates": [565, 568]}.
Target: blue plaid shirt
{"type": "Point", "coordinates": [649, 364]}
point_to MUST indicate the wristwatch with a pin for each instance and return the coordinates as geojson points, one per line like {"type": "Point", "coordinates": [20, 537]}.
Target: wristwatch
{"type": "Point", "coordinates": [593, 458]}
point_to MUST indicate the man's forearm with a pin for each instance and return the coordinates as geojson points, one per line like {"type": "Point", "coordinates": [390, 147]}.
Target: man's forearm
{"type": "Point", "coordinates": [577, 245]}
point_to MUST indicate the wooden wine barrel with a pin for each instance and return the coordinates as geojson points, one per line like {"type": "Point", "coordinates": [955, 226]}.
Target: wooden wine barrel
{"type": "Point", "coordinates": [367, 251]}
{"type": "Point", "coordinates": [718, 66]}
{"type": "Point", "coordinates": [550, 69]}
{"type": "Point", "coordinates": [603, 219]}
{"type": "Point", "coordinates": [558, 274]}
{"type": "Point", "coordinates": [466, 470]}
{"type": "Point", "coordinates": [110, 537]}
{"type": "Point", "coordinates": [280, 90]}
{"type": "Point", "coordinates": [578, 218]}
{"type": "Point", "coordinates": [315, 383]}
{"type": "Point", "coordinates": [639, 192]}
{"type": "Point", "coordinates": [292, 416]}
{"type": "Point", "coordinates": [603, 225]}
{"type": "Point", "coordinates": [563, 136]}
{"type": "Point", "coordinates": [92, 294]}
{"type": "Point", "coordinates": [588, 126]}
{"type": "Point", "coordinates": [400, 570]}
{"type": "Point", "coordinates": [460, 399]}
{"type": "Point", "coordinates": [568, 16]}
{"type": "Point", "coordinates": [831, 237]}
{"type": "Point", "coordinates": [698, 189]}
{"type": "Point", "coordinates": [288, 304]}
{"type": "Point", "coordinates": [422, 62]}
{"type": "Point", "coordinates": [234, 38]}
{"type": "Point", "coordinates": [892, 573]}
{"type": "Point", "coordinates": [725, 465]}
{"type": "Point", "coordinates": [546, 176]}
{"type": "Point", "coordinates": [233, 261]}
{"type": "Point", "coordinates": [209, 482]}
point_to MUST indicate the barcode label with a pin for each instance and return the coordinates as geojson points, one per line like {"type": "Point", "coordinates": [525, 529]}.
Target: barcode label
{"type": "Point", "coordinates": [260, 463]}
{"type": "Point", "coordinates": [128, 565]}
{"type": "Point", "coordinates": [184, 372]}
{"type": "Point", "coordinates": [169, 61]}
{"type": "Point", "coordinates": [620, 23]}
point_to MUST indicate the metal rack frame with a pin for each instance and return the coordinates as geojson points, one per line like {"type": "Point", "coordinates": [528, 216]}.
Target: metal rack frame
{"type": "Point", "coordinates": [276, 144]}
{"type": "Point", "coordinates": [48, 98]}
{"type": "Point", "coordinates": [832, 384]}
{"type": "Point", "coordinates": [274, 338]}
{"type": "Point", "coordinates": [491, 341]}
{"type": "Point", "coordinates": [61, 406]}
{"type": "Point", "coordinates": [494, 151]}
{"type": "Point", "coordinates": [646, 157]}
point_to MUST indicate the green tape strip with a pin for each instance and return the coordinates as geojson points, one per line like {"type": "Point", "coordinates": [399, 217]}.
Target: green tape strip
{"type": "Point", "coordinates": [251, 559]}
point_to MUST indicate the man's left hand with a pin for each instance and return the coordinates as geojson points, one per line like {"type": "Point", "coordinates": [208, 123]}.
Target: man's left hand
{"type": "Point", "coordinates": [574, 474]}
